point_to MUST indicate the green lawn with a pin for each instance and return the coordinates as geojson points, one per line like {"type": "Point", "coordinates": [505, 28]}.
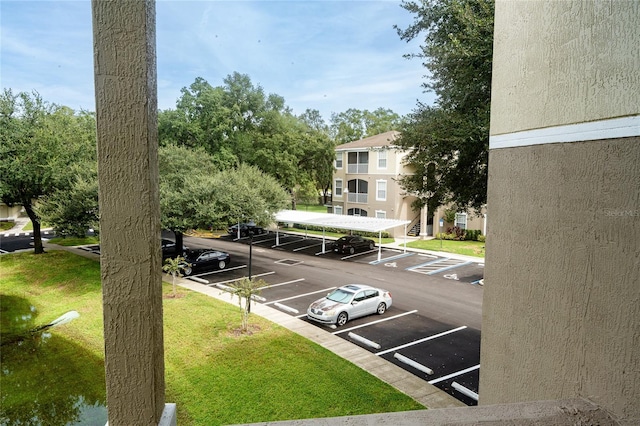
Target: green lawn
{"type": "Point", "coordinates": [316, 208]}
{"type": "Point", "coordinates": [6, 225]}
{"type": "Point", "coordinates": [214, 375]}
{"type": "Point", "coordinates": [469, 248]}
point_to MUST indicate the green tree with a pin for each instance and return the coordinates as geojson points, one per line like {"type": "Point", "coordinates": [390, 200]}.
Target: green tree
{"type": "Point", "coordinates": [174, 267]}
{"type": "Point", "coordinates": [185, 190]}
{"type": "Point", "coordinates": [246, 193]}
{"type": "Point", "coordinates": [354, 124]}
{"type": "Point", "coordinates": [238, 123]}
{"type": "Point", "coordinates": [454, 134]}
{"type": "Point", "coordinates": [39, 144]}
{"type": "Point", "coordinates": [245, 289]}
{"type": "Point", "coordinates": [73, 210]}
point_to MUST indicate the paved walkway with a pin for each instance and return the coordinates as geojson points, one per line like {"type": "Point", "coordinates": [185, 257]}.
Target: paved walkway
{"type": "Point", "coordinates": [19, 223]}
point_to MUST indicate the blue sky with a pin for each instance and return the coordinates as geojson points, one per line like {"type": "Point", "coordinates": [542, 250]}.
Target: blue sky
{"type": "Point", "coordinates": [324, 55]}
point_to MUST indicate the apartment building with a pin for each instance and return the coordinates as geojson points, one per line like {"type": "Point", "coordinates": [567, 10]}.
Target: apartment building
{"type": "Point", "coordinates": [365, 183]}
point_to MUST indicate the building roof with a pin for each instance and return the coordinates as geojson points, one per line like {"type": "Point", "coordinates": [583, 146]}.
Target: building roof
{"type": "Point", "coordinates": [376, 141]}
{"type": "Point", "coordinates": [330, 220]}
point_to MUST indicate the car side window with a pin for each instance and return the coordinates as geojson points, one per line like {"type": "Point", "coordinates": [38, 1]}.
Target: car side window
{"type": "Point", "coordinates": [371, 293]}
{"type": "Point", "coordinates": [360, 297]}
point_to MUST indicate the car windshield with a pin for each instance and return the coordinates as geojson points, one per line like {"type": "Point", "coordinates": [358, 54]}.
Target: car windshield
{"type": "Point", "coordinates": [340, 295]}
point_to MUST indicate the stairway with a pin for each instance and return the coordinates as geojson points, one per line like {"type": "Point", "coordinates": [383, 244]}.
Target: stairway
{"type": "Point", "coordinates": [415, 230]}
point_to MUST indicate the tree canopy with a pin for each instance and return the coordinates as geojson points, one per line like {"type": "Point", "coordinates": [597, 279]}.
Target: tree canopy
{"type": "Point", "coordinates": [40, 146]}
{"type": "Point", "coordinates": [194, 193]}
{"type": "Point", "coordinates": [453, 135]}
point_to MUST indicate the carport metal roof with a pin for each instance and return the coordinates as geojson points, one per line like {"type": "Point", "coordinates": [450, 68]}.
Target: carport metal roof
{"type": "Point", "coordinates": [330, 220]}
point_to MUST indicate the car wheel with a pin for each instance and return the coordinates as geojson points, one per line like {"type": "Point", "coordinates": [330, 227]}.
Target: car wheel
{"type": "Point", "coordinates": [342, 319]}
{"type": "Point", "coordinates": [371, 245]}
{"type": "Point", "coordinates": [187, 271]}
{"type": "Point", "coordinates": [351, 250]}
{"type": "Point", "coordinates": [381, 308]}
{"type": "Point", "coordinates": [222, 264]}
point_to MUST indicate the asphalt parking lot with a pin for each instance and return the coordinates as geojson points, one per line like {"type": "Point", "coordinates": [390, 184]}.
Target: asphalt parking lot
{"type": "Point", "coordinates": [442, 354]}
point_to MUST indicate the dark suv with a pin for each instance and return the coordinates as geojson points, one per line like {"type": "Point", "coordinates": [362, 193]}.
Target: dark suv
{"type": "Point", "coordinates": [246, 229]}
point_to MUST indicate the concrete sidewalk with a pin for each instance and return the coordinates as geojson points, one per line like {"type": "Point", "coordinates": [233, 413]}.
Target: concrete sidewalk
{"type": "Point", "coordinates": [18, 225]}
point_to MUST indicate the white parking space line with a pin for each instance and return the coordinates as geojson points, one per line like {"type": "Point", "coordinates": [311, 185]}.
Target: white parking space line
{"type": "Point", "coordinates": [415, 342]}
{"type": "Point", "coordinates": [375, 322]}
{"type": "Point", "coordinates": [221, 270]}
{"type": "Point", "coordinates": [306, 247]}
{"type": "Point", "coordinates": [241, 278]}
{"type": "Point", "coordinates": [386, 259]}
{"type": "Point", "coordinates": [456, 374]}
{"type": "Point", "coordinates": [358, 254]}
{"type": "Point", "coordinates": [437, 271]}
{"type": "Point", "coordinates": [432, 262]}
{"type": "Point", "coordinates": [301, 295]}
{"type": "Point", "coordinates": [284, 283]}
{"type": "Point", "coordinates": [290, 242]}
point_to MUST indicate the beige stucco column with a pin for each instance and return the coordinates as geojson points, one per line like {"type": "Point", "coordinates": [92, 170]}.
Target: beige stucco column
{"type": "Point", "coordinates": [561, 309]}
{"type": "Point", "coordinates": [424, 216]}
{"type": "Point", "coordinates": [126, 113]}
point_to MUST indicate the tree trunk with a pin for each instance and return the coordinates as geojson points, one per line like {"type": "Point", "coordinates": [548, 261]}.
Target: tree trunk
{"type": "Point", "coordinates": [37, 235]}
{"type": "Point", "coordinates": [179, 243]}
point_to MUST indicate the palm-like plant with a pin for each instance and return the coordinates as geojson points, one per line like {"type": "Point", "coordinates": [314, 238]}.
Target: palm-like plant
{"type": "Point", "coordinates": [174, 267]}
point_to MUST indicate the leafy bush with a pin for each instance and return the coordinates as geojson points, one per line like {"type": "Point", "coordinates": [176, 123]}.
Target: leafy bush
{"type": "Point", "coordinates": [481, 238]}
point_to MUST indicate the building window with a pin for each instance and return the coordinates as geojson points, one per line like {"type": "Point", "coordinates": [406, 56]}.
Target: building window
{"type": "Point", "coordinates": [382, 159]}
{"type": "Point", "coordinates": [381, 190]}
{"type": "Point", "coordinates": [461, 220]}
{"type": "Point", "coordinates": [357, 212]}
{"type": "Point", "coordinates": [381, 214]}
{"type": "Point", "coordinates": [337, 209]}
{"type": "Point", "coordinates": [337, 188]}
{"type": "Point", "coordinates": [358, 191]}
{"type": "Point", "coordinates": [338, 160]}
{"type": "Point", "coordinates": [358, 162]}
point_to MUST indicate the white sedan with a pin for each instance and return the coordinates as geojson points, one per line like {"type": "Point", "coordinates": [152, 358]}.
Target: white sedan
{"type": "Point", "coordinates": [349, 302]}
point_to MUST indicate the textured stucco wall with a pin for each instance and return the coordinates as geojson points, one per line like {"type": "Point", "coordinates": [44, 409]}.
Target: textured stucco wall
{"type": "Point", "coordinates": [561, 309]}
{"type": "Point", "coordinates": [126, 111]}
{"type": "Point", "coordinates": [564, 62]}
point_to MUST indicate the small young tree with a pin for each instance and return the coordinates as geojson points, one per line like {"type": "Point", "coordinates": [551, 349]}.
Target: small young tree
{"type": "Point", "coordinates": [174, 267]}
{"type": "Point", "coordinates": [246, 289]}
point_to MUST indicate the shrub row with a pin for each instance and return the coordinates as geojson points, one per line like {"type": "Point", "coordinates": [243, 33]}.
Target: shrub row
{"type": "Point", "coordinates": [459, 234]}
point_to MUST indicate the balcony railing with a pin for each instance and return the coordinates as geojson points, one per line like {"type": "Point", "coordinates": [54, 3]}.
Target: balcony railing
{"type": "Point", "coordinates": [358, 168]}
{"type": "Point", "coordinates": [357, 198]}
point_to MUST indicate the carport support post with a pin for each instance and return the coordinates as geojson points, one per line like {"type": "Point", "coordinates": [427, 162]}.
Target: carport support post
{"type": "Point", "coordinates": [323, 248]}
{"type": "Point", "coordinates": [379, 245]}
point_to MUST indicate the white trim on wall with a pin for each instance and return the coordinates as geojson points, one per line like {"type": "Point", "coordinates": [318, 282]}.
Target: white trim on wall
{"type": "Point", "coordinates": [614, 128]}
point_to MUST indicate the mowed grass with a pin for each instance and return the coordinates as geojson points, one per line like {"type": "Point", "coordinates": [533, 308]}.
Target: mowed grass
{"type": "Point", "coordinates": [214, 374]}
{"type": "Point", "coordinates": [468, 248]}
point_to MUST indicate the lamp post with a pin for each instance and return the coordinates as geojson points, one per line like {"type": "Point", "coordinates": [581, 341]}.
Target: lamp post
{"type": "Point", "coordinates": [250, 251]}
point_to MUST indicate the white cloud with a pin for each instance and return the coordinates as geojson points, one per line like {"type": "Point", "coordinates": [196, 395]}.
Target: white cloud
{"type": "Point", "coordinates": [325, 55]}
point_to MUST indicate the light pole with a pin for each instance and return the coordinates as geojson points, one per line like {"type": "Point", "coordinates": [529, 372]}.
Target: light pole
{"type": "Point", "coordinates": [250, 251]}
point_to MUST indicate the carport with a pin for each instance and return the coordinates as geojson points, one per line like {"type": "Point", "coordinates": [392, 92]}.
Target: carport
{"type": "Point", "coordinates": [330, 220]}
